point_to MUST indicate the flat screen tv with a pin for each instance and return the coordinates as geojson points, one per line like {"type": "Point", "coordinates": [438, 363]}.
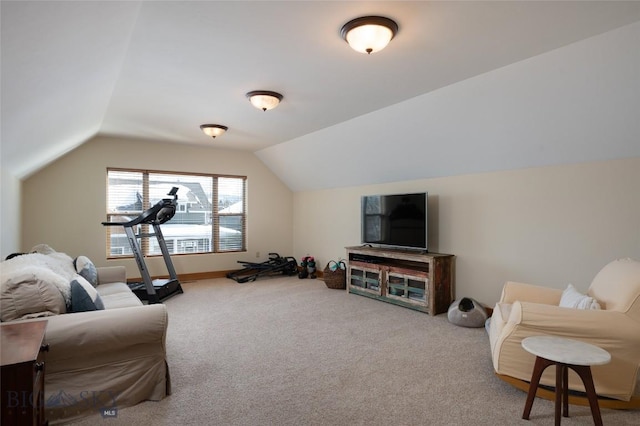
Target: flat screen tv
{"type": "Point", "coordinates": [395, 220]}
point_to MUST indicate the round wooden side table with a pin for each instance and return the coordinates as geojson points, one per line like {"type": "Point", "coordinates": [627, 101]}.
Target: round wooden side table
{"type": "Point", "coordinates": [564, 354]}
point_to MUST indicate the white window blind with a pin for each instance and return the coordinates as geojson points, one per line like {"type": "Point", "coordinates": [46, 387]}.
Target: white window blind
{"type": "Point", "coordinates": [210, 216]}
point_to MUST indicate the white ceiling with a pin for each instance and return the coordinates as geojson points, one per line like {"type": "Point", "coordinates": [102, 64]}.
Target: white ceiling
{"type": "Point", "coordinates": [156, 70]}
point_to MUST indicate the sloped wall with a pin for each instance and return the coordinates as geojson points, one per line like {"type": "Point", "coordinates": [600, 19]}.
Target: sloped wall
{"type": "Point", "coordinates": [575, 104]}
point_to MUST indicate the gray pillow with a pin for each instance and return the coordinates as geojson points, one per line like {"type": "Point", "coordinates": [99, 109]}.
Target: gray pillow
{"type": "Point", "coordinates": [84, 297]}
{"type": "Point", "coordinates": [85, 267]}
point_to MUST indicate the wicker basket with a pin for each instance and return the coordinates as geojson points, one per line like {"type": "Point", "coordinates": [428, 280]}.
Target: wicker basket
{"type": "Point", "coordinates": [335, 279]}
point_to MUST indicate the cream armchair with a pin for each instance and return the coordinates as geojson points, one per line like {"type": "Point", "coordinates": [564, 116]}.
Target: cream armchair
{"type": "Point", "coordinates": [527, 310]}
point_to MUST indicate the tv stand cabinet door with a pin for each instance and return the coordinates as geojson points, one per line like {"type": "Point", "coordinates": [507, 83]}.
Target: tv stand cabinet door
{"type": "Point", "coordinates": [435, 269]}
{"type": "Point", "coordinates": [365, 278]}
{"type": "Point", "coordinates": [409, 287]}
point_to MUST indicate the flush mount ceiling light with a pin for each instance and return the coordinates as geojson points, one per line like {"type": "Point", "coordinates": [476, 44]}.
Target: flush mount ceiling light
{"type": "Point", "coordinates": [213, 130]}
{"type": "Point", "coordinates": [369, 34]}
{"type": "Point", "coordinates": [264, 99]}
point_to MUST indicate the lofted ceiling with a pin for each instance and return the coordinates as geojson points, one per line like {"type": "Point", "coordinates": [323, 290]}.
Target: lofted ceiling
{"type": "Point", "coordinates": [156, 70]}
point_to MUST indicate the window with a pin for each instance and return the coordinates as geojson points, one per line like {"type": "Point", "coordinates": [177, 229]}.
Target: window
{"type": "Point", "coordinates": [210, 216]}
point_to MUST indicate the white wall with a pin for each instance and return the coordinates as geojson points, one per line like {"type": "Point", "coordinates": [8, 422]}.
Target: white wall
{"type": "Point", "coordinates": [558, 121]}
{"type": "Point", "coordinates": [550, 225]}
{"type": "Point", "coordinates": [9, 214]}
{"type": "Point", "coordinates": [65, 203]}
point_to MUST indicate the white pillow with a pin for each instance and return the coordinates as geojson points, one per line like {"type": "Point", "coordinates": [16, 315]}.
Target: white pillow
{"type": "Point", "coordinates": [572, 298]}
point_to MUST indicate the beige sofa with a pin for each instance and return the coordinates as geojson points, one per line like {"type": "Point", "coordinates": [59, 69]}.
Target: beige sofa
{"type": "Point", "coordinates": [527, 310]}
{"type": "Point", "coordinates": [101, 359]}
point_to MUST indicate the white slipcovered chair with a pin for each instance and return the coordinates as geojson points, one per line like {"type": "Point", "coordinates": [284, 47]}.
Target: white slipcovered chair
{"type": "Point", "coordinates": [527, 310]}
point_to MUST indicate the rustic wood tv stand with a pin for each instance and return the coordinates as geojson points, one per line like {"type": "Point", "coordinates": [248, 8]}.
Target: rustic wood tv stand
{"type": "Point", "coordinates": [413, 279]}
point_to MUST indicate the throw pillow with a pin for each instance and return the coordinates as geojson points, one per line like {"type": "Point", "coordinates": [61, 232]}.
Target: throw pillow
{"type": "Point", "coordinates": [84, 297]}
{"type": "Point", "coordinates": [572, 298]}
{"type": "Point", "coordinates": [87, 270]}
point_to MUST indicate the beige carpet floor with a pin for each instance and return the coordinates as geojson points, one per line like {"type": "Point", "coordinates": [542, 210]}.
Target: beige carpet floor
{"type": "Point", "coordinates": [285, 351]}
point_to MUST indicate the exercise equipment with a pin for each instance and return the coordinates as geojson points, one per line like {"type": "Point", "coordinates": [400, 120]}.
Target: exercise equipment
{"type": "Point", "coordinates": [154, 291]}
{"type": "Point", "coordinates": [275, 265]}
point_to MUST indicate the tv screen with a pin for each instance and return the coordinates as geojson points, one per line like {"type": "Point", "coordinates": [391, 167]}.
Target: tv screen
{"type": "Point", "coordinates": [398, 220]}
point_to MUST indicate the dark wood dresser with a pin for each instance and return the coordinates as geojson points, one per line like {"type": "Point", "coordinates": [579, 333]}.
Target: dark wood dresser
{"type": "Point", "coordinates": [22, 352]}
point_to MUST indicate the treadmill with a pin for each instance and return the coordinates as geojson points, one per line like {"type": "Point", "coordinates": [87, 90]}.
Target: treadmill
{"type": "Point", "coordinates": [153, 291]}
